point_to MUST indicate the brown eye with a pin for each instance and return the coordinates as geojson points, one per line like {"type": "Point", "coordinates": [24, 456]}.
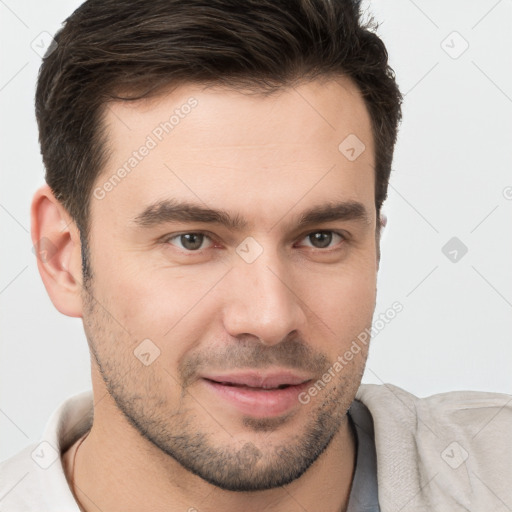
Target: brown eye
{"type": "Point", "coordinates": [323, 239]}
{"type": "Point", "coordinates": [189, 241]}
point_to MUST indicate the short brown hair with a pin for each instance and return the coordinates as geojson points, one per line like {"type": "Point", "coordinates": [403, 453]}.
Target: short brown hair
{"type": "Point", "coordinates": [142, 46]}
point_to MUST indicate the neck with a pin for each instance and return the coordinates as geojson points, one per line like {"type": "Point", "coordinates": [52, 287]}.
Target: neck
{"type": "Point", "coordinates": [116, 469]}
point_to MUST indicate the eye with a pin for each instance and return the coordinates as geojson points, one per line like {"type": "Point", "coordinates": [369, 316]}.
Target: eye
{"type": "Point", "coordinates": [189, 241]}
{"type": "Point", "coordinates": [196, 241]}
{"type": "Point", "coordinates": [323, 239]}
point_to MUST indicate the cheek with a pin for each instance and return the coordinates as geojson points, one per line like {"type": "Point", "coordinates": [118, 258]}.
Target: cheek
{"type": "Point", "coordinates": [170, 306]}
{"type": "Point", "coordinates": [347, 290]}
{"type": "Point", "coordinates": [342, 306]}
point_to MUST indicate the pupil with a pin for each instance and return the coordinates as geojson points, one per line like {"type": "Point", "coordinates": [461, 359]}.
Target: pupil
{"type": "Point", "coordinates": [192, 241]}
{"type": "Point", "coordinates": [322, 237]}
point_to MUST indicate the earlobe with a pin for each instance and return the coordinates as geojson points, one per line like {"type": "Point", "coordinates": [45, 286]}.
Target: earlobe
{"type": "Point", "coordinates": [56, 241]}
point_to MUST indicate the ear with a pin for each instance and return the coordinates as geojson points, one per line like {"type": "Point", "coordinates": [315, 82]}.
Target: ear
{"type": "Point", "coordinates": [382, 224]}
{"type": "Point", "coordinates": [57, 247]}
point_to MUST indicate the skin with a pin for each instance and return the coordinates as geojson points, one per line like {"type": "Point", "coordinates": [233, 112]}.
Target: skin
{"type": "Point", "coordinates": [297, 306]}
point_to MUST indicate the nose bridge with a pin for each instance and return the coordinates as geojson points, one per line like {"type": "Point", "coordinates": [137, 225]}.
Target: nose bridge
{"type": "Point", "coordinates": [260, 301]}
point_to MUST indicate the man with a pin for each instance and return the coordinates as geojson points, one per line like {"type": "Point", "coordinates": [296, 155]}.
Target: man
{"type": "Point", "coordinates": [215, 175]}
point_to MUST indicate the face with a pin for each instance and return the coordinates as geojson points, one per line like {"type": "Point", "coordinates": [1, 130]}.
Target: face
{"type": "Point", "coordinates": [234, 261]}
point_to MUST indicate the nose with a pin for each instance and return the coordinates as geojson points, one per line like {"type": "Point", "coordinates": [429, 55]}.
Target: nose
{"type": "Point", "coordinates": [260, 300]}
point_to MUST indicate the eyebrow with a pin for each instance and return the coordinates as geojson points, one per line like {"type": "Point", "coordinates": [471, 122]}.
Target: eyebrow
{"type": "Point", "coordinates": [173, 210]}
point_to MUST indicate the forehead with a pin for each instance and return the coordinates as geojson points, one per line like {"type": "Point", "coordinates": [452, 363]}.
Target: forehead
{"type": "Point", "coordinates": [228, 147]}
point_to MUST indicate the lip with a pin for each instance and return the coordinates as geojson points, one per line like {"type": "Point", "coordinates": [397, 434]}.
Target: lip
{"type": "Point", "coordinates": [258, 394]}
{"type": "Point", "coordinates": [260, 380]}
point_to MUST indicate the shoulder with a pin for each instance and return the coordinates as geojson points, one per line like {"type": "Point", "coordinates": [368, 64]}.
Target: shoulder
{"type": "Point", "coordinates": [447, 450]}
{"type": "Point", "coordinates": [34, 478]}
{"type": "Point", "coordinates": [469, 411]}
{"type": "Point", "coordinates": [19, 479]}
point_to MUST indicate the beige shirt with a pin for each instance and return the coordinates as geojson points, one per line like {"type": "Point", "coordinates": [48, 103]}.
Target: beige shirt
{"type": "Point", "coordinates": [450, 452]}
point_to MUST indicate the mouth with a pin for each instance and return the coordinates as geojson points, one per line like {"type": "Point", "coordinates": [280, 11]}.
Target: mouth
{"type": "Point", "coordinates": [263, 388]}
{"type": "Point", "coordinates": [269, 380]}
{"type": "Point", "coordinates": [256, 394]}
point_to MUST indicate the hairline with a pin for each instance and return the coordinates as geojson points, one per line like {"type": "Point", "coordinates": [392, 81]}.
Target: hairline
{"type": "Point", "coordinates": [237, 85]}
{"type": "Point", "coordinates": [230, 84]}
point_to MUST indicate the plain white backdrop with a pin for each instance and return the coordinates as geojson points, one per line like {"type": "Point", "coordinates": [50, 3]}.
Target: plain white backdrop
{"type": "Point", "coordinates": [452, 178]}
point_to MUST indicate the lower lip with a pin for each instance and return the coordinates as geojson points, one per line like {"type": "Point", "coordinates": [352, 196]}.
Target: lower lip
{"type": "Point", "coordinates": [259, 402]}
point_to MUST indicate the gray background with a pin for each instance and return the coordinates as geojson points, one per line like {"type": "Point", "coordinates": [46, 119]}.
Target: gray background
{"type": "Point", "coordinates": [452, 178]}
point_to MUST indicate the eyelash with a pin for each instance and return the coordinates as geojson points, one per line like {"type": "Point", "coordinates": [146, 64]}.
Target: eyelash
{"type": "Point", "coordinates": [168, 239]}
